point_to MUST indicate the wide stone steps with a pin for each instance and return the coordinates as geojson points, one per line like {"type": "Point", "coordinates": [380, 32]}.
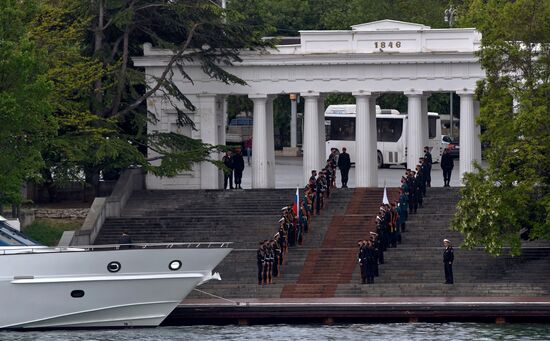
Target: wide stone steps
{"type": "Point", "coordinates": [325, 265]}
{"type": "Point", "coordinates": [241, 217]}
{"type": "Point", "coordinates": [335, 261]}
{"type": "Point", "coordinates": [440, 289]}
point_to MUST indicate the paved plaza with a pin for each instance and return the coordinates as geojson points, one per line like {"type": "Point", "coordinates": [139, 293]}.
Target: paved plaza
{"type": "Point", "coordinates": [288, 174]}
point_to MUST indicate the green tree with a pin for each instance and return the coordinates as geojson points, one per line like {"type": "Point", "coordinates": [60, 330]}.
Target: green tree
{"type": "Point", "coordinates": [511, 195]}
{"type": "Point", "coordinates": [100, 97]}
{"type": "Point", "coordinates": [25, 110]}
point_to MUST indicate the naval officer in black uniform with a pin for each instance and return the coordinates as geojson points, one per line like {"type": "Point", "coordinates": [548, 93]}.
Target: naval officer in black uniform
{"type": "Point", "coordinates": [448, 258]}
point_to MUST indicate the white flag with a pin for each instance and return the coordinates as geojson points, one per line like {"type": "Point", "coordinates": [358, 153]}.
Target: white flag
{"type": "Point", "coordinates": [385, 198]}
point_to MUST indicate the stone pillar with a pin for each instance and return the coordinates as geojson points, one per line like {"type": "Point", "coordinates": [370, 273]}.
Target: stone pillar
{"type": "Point", "coordinates": [310, 142]}
{"type": "Point", "coordinates": [424, 117]}
{"type": "Point", "coordinates": [322, 139]}
{"type": "Point", "coordinates": [224, 120]}
{"type": "Point", "coordinates": [293, 119]}
{"type": "Point", "coordinates": [467, 132]}
{"type": "Point", "coordinates": [207, 107]}
{"type": "Point", "coordinates": [260, 158]}
{"type": "Point", "coordinates": [270, 143]}
{"type": "Point", "coordinates": [477, 136]}
{"type": "Point", "coordinates": [414, 144]}
{"type": "Point", "coordinates": [221, 117]}
{"type": "Point", "coordinates": [366, 169]}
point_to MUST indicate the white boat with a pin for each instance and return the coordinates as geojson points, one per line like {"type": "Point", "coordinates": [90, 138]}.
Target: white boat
{"type": "Point", "coordinates": [98, 286]}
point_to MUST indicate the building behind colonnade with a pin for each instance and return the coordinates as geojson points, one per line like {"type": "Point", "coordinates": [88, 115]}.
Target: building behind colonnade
{"type": "Point", "coordinates": [368, 60]}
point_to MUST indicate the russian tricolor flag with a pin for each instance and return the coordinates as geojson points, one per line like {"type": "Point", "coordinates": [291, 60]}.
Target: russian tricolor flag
{"type": "Point", "coordinates": [296, 205]}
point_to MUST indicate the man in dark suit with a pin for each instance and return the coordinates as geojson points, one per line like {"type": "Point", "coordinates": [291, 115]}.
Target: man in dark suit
{"type": "Point", "coordinates": [447, 165]}
{"type": "Point", "coordinates": [344, 163]}
{"type": "Point", "coordinates": [238, 167]}
{"type": "Point", "coordinates": [228, 171]}
{"type": "Point", "coordinates": [429, 162]}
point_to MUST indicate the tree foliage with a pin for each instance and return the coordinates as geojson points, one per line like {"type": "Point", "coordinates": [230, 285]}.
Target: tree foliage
{"type": "Point", "coordinates": [99, 97]}
{"type": "Point", "coordinates": [512, 194]}
{"type": "Point", "coordinates": [287, 17]}
{"type": "Point", "coordinates": [25, 110]}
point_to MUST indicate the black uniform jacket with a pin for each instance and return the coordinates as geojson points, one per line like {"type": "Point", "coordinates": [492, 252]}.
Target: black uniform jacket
{"type": "Point", "coordinates": [344, 161]}
{"type": "Point", "coordinates": [448, 255]}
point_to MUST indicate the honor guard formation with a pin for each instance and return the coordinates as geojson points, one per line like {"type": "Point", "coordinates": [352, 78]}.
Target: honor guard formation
{"type": "Point", "coordinates": [294, 222]}
{"type": "Point", "coordinates": [391, 222]}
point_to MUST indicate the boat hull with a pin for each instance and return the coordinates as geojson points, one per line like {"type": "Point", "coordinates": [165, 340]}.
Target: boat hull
{"type": "Point", "coordinates": [76, 289]}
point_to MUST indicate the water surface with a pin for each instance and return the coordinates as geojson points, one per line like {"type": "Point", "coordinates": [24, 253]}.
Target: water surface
{"type": "Point", "coordinates": [359, 332]}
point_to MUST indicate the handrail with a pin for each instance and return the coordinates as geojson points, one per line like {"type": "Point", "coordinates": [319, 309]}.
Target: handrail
{"type": "Point", "coordinates": [133, 246]}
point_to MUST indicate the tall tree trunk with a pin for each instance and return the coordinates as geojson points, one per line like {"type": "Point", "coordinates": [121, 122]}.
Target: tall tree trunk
{"type": "Point", "coordinates": [98, 43]}
{"type": "Point", "coordinates": [122, 74]}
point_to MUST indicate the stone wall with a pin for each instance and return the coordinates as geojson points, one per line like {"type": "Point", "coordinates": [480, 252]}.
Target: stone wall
{"type": "Point", "coordinates": [62, 213]}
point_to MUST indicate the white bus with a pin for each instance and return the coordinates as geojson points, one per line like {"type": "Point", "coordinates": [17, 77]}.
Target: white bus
{"type": "Point", "coordinates": [391, 129]}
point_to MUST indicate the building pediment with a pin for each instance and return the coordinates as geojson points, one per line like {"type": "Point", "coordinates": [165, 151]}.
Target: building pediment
{"type": "Point", "coordinates": [389, 25]}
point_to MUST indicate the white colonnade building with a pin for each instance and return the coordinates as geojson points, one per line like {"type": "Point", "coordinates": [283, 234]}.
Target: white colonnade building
{"type": "Point", "coordinates": [384, 56]}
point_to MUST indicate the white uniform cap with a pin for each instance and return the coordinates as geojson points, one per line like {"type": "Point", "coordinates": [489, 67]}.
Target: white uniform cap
{"type": "Point", "coordinates": [446, 241]}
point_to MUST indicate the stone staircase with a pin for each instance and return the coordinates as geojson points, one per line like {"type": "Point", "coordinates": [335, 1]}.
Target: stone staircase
{"type": "Point", "coordinates": [241, 217]}
{"type": "Point", "coordinates": [335, 261]}
{"type": "Point", "coordinates": [415, 267]}
{"type": "Point", "coordinates": [325, 265]}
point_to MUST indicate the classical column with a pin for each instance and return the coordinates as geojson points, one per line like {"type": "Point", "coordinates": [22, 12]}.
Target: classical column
{"type": "Point", "coordinates": [207, 108]}
{"type": "Point", "coordinates": [424, 117]}
{"type": "Point", "coordinates": [310, 143]}
{"type": "Point", "coordinates": [321, 125]}
{"type": "Point", "coordinates": [270, 143]}
{"type": "Point", "coordinates": [224, 122]}
{"type": "Point", "coordinates": [366, 170]}
{"type": "Point", "coordinates": [477, 136]}
{"type": "Point", "coordinates": [467, 132]}
{"type": "Point", "coordinates": [414, 131]}
{"type": "Point", "coordinates": [293, 119]}
{"type": "Point", "coordinates": [260, 158]}
{"type": "Point", "coordinates": [221, 114]}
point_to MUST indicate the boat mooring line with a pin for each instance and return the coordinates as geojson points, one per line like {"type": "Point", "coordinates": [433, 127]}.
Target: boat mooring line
{"type": "Point", "coordinates": [216, 296]}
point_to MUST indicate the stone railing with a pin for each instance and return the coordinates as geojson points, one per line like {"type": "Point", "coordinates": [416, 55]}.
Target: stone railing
{"type": "Point", "coordinates": [103, 208]}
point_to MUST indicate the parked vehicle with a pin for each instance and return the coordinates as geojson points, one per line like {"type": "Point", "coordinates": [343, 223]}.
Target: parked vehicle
{"type": "Point", "coordinates": [452, 145]}
{"type": "Point", "coordinates": [392, 133]}
{"type": "Point", "coordinates": [239, 130]}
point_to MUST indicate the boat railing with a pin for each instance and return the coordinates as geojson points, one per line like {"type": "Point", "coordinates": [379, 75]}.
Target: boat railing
{"type": "Point", "coordinates": [107, 247]}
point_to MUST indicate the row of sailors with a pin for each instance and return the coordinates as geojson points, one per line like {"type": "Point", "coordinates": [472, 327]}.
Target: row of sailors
{"type": "Point", "coordinates": [390, 222]}
{"type": "Point", "coordinates": [292, 226]}
{"type": "Point", "coordinates": [391, 219]}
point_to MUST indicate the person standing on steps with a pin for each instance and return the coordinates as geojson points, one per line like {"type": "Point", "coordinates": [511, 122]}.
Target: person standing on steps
{"type": "Point", "coordinates": [260, 258]}
{"type": "Point", "coordinates": [447, 165]}
{"type": "Point", "coordinates": [248, 147]}
{"type": "Point", "coordinates": [125, 240]}
{"type": "Point", "coordinates": [344, 163]}
{"type": "Point", "coordinates": [228, 171]}
{"type": "Point", "coordinates": [238, 167]}
{"type": "Point", "coordinates": [362, 259]}
{"type": "Point", "coordinates": [370, 260]}
{"type": "Point", "coordinates": [429, 161]}
{"type": "Point", "coordinates": [448, 259]}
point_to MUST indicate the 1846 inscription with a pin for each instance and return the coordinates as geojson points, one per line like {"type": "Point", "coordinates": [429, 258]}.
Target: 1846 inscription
{"type": "Point", "coordinates": [387, 44]}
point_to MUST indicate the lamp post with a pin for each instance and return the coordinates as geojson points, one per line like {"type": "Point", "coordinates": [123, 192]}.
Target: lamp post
{"type": "Point", "coordinates": [449, 17]}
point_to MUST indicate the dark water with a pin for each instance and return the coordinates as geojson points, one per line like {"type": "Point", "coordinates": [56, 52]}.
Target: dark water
{"type": "Point", "coordinates": [378, 332]}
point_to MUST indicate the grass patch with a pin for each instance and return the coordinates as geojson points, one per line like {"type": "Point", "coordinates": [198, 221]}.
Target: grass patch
{"type": "Point", "coordinates": [49, 231]}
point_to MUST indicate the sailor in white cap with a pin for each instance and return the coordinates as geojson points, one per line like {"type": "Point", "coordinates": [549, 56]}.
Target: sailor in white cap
{"type": "Point", "coordinates": [448, 259]}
